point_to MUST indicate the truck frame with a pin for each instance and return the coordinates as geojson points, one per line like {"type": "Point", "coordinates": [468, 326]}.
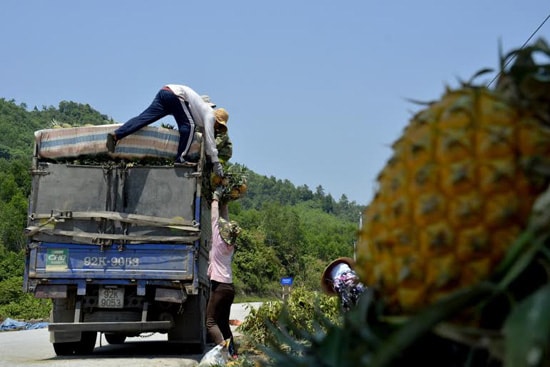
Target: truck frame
{"type": "Point", "coordinates": [120, 247]}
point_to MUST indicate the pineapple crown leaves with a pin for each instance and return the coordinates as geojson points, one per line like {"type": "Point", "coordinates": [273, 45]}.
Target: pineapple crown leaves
{"type": "Point", "coordinates": [521, 77]}
{"type": "Point", "coordinates": [522, 62]}
{"type": "Point", "coordinates": [234, 184]}
{"type": "Point", "coordinates": [470, 83]}
{"type": "Point", "coordinates": [525, 79]}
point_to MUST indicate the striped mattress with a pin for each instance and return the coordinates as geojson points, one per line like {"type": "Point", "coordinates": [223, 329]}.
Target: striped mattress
{"type": "Point", "coordinates": [148, 142]}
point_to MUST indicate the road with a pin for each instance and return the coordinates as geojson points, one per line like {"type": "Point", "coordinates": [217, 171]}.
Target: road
{"type": "Point", "coordinates": [31, 348]}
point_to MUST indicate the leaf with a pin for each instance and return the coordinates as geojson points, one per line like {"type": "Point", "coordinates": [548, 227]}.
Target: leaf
{"type": "Point", "coordinates": [423, 322]}
{"type": "Point", "coordinates": [527, 331]}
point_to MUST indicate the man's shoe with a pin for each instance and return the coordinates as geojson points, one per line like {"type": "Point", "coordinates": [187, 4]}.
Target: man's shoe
{"type": "Point", "coordinates": [184, 163]}
{"type": "Point", "coordinates": [111, 142]}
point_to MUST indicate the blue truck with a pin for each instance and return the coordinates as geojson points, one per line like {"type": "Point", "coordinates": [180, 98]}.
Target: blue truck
{"type": "Point", "coordinates": [119, 246]}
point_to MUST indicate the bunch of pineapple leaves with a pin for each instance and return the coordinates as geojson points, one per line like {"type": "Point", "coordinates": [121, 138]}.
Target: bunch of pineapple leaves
{"type": "Point", "coordinates": [236, 178]}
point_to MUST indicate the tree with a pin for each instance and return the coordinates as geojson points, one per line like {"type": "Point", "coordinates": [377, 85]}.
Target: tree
{"type": "Point", "coordinates": [283, 233]}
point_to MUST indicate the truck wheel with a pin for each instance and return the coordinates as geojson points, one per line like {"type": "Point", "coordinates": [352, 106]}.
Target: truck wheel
{"type": "Point", "coordinates": [115, 338]}
{"type": "Point", "coordinates": [64, 349]}
{"type": "Point", "coordinates": [86, 345]}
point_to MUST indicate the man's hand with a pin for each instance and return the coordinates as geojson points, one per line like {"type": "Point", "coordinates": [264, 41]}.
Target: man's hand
{"type": "Point", "coordinates": [218, 169]}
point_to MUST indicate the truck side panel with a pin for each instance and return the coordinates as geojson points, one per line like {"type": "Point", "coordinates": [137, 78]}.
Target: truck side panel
{"type": "Point", "coordinates": [147, 261]}
{"type": "Point", "coordinates": [162, 192]}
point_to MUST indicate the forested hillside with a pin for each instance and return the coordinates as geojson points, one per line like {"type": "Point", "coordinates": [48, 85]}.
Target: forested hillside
{"type": "Point", "coordinates": [288, 230]}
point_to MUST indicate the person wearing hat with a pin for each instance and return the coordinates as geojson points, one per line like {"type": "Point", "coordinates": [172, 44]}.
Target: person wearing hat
{"type": "Point", "coordinates": [222, 291]}
{"type": "Point", "coordinates": [340, 279]}
{"type": "Point", "coordinates": [189, 109]}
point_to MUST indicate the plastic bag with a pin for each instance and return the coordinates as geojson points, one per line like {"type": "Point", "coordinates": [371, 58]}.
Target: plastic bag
{"type": "Point", "coordinates": [216, 356]}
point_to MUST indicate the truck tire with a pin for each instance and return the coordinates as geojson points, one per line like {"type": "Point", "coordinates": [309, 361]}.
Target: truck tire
{"type": "Point", "coordinates": [115, 338]}
{"type": "Point", "coordinates": [86, 345]}
{"type": "Point", "coordinates": [64, 349]}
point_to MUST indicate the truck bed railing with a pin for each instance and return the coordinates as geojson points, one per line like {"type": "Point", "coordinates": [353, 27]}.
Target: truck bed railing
{"type": "Point", "coordinates": [146, 220]}
{"type": "Point", "coordinates": [55, 216]}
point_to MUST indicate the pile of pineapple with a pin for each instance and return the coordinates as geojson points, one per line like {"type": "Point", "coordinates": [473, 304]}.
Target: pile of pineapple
{"type": "Point", "coordinates": [459, 187]}
{"type": "Point", "coordinates": [234, 184]}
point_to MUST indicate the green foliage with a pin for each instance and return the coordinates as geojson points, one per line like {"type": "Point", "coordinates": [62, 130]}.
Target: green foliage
{"type": "Point", "coordinates": [18, 125]}
{"type": "Point", "coordinates": [262, 189]}
{"type": "Point", "coordinates": [17, 128]}
{"type": "Point", "coordinates": [12, 221]}
{"type": "Point", "coordinates": [256, 267]}
{"type": "Point", "coordinates": [14, 302]}
{"type": "Point", "coordinates": [301, 309]}
{"type": "Point", "coordinates": [73, 114]}
{"type": "Point", "coordinates": [26, 307]}
{"type": "Point", "coordinates": [10, 289]}
{"type": "Point", "coordinates": [11, 264]}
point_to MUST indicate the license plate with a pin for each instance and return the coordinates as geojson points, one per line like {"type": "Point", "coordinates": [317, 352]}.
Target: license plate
{"type": "Point", "coordinates": [111, 298]}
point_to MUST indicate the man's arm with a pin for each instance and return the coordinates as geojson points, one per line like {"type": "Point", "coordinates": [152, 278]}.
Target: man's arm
{"type": "Point", "coordinates": [209, 137]}
{"type": "Point", "coordinates": [215, 213]}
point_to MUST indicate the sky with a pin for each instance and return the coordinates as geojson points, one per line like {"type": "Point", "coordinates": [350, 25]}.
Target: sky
{"type": "Point", "coordinates": [317, 91]}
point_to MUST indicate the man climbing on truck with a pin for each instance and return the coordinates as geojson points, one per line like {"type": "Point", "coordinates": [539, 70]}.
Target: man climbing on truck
{"type": "Point", "coordinates": [189, 109]}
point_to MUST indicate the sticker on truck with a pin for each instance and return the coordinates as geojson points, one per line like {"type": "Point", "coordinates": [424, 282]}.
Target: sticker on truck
{"type": "Point", "coordinates": [57, 259]}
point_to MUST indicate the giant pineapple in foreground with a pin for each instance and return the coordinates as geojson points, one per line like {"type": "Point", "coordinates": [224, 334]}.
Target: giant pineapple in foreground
{"type": "Point", "coordinates": [459, 187]}
{"type": "Point", "coordinates": [459, 227]}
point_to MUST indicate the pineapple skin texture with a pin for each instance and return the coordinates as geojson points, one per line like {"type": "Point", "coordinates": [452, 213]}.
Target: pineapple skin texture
{"type": "Point", "coordinates": [451, 200]}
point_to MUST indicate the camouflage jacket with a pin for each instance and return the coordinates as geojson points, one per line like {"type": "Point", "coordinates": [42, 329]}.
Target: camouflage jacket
{"type": "Point", "coordinates": [224, 146]}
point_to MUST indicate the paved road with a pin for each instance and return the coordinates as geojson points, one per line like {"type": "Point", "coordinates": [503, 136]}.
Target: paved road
{"type": "Point", "coordinates": [33, 348]}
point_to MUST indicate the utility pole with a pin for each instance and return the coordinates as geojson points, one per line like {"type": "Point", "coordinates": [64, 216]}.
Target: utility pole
{"type": "Point", "coordinates": [355, 242]}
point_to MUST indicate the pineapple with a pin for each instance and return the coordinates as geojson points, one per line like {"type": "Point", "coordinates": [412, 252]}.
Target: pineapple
{"type": "Point", "coordinates": [459, 187]}
{"type": "Point", "coordinates": [234, 183]}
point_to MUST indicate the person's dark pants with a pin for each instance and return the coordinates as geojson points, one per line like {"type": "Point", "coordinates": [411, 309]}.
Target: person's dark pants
{"type": "Point", "coordinates": [218, 311]}
{"type": "Point", "coordinates": [165, 103]}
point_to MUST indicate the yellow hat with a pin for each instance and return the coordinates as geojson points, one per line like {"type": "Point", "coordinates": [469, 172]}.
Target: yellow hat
{"type": "Point", "coordinates": [326, 279]}
{"type": "Point", "coordinates": [221, 117]}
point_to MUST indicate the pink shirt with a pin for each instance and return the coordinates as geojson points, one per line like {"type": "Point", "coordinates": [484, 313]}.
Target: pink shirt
{"type": "Point", "coordinates": [221, 253]}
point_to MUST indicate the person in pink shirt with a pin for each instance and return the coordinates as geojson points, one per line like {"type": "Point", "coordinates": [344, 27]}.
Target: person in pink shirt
{"type": "Point", "coordinates": [222, 291]}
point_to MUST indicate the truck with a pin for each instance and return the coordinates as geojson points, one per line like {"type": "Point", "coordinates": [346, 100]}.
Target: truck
{"type": "Point", "coordinates": [118, 241]}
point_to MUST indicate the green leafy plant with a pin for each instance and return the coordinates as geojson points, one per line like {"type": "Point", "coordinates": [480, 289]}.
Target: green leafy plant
{"type": "Point", "coordinates": [302, 309]}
